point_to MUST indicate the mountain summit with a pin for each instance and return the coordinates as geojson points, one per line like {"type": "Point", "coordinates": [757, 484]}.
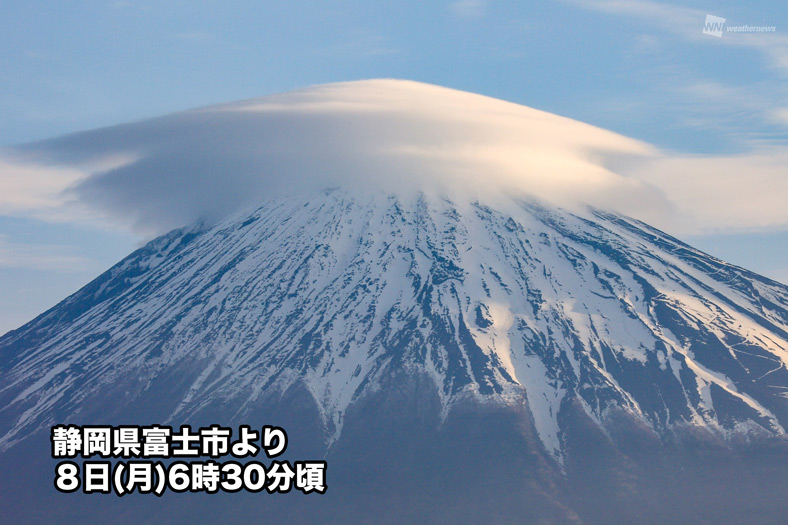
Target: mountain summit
{"type": "Point", "coordinates": [453, 354]}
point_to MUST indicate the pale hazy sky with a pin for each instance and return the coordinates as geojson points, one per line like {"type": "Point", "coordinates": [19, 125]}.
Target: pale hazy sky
{"type": "Point", "coordinates": [716, 109]}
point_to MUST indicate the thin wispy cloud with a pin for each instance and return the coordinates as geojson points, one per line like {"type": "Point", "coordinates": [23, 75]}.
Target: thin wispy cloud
{"type": "Point", "coordinates": [725, 193]}
{"type": "Point", "coordinates": [780, 115]}
{"type": "Point", "coordinates": [47, 257]}
{"type": "Point", "coordinates": [30, 189]}
{"type": "Point", "coordinates": [748, 111]}
{"type": "Point", "coordinates": [680, 20]}
{"type": "Point", "coordinates": [689, 23]}
{"type": "Point", "coordinates": [25, 188]}
{"type": "Point", "coordinates": [748, 114]}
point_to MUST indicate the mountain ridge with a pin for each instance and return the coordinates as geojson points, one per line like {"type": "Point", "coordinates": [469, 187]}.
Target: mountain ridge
{"type": "Point", "coordinates": [541, 304]}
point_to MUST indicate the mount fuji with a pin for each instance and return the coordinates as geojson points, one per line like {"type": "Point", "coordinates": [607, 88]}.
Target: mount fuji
{"type": "Point", "coordinates": [459, 340]}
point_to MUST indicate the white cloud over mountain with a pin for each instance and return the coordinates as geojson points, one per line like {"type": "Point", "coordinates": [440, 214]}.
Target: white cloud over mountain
{"type": "Point", "coordinates": [397, 135]}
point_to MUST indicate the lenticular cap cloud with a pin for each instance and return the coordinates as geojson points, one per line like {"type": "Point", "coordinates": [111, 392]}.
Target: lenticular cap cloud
{"type": "Point", "coordinates": [395, 135]}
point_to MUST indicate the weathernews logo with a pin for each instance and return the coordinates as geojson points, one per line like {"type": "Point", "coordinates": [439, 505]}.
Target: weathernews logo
{"type": "Point", "coordinates": [715, 25]}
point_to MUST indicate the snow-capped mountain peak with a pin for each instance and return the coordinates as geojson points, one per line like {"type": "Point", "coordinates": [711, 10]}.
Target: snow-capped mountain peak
{"type": "Point", "coordinates": [337, 292]}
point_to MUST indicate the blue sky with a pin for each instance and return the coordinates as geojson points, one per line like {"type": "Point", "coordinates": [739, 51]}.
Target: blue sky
{"type": "Point", "coordinates": [643, 69]}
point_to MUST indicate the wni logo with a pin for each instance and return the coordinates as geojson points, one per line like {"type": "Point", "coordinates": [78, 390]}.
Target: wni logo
{"type": "Point", "coordinates": [713, 26]}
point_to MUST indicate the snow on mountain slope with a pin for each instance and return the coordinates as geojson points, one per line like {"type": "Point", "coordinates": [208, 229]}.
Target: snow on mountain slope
{"type": "Point", "coordinates": [341, 289]}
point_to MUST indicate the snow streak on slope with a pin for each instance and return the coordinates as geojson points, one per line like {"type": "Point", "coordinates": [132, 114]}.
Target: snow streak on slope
{"type": "Point", "coordinates": [338, 291]}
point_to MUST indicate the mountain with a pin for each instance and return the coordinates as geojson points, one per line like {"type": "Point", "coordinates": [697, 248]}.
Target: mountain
{"type": "Point", "coordinates": [451, 357]}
